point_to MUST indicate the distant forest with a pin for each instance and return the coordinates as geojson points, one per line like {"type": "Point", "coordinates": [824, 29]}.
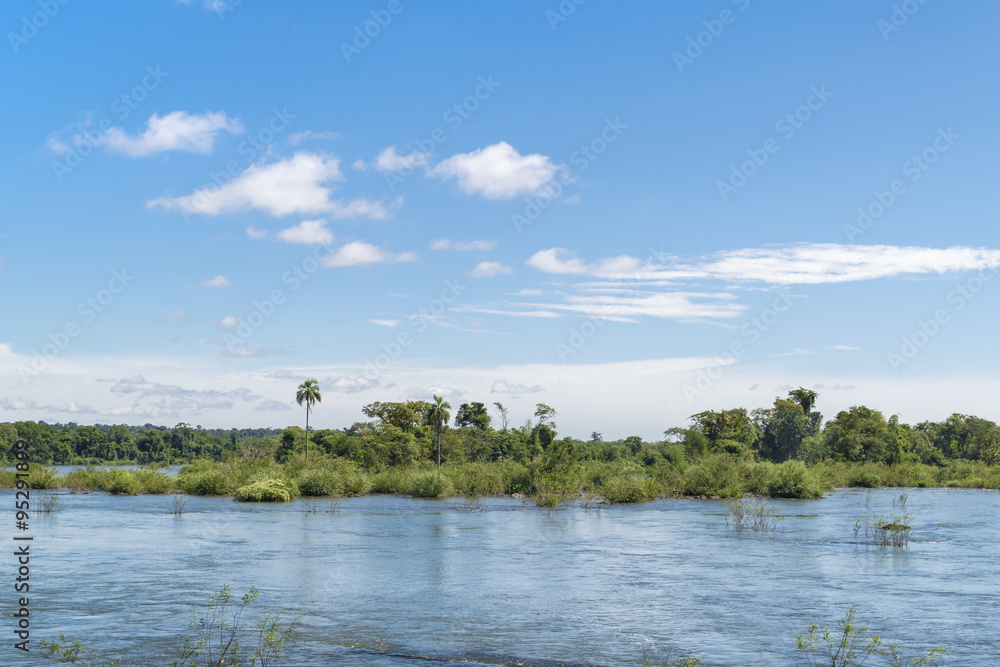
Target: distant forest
{"type": "Point", "coordinates": [405, 433]}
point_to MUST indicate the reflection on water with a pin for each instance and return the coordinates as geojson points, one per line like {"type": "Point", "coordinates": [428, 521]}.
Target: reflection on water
{"type": "Point", "coordinates": [399, 581]}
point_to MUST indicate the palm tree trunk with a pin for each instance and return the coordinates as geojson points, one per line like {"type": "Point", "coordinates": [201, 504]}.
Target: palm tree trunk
{"type": "Point", "coordinates": [307, 431]}
{"type": "Point", "coordinates": [439, 447]}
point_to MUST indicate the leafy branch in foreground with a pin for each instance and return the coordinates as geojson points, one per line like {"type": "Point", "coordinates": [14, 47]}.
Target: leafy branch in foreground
{"type": "Point", "coordinates": [851, 644]}
{"type": "Point", "coordinates": [73, 653]}
{"type": "Point", "coordinates": [219, 632]}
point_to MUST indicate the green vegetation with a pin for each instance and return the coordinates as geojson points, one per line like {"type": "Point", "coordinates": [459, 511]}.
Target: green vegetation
{"type": "Point", "coordinates": [264, 491]}
{"type": "Point", "coordinates": [219, 631]}
{"type": "Point", "coordinates": [784, 451]}
{"type": "Point", "coordinates": [308, 393]}
{"type": "Point", "coordinates": [752, 515]}
{"type": "Point", "coordinates": [851, 644]}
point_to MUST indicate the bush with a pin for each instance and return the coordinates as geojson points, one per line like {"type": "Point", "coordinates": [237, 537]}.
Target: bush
{"type": "Point", "coordinates": [356, 483]}
{"type": "Point", "coordinates": [627, 489]}
{"type": "Point", "coordinates": [393, 480]}
{"type": "Point", "coordinates": [792, 479]}
{"type": "Point", "coordinates": [211, 482]}
{"type": "Point", "coordinates": [40, 477]}
{"type": "Point", "coordinates": [154, 482]}
{"type": "Point", "coordinates": [865, 478]}
{"type": "Point", "coordinates": [8, 479]}
{"type": "Point", "coordinates": [318, 482]}
{"type": "Point", "coordinates": [430, 484]}
{"type": "Point", "coordinates": [265, 491]}
{"type": "Point", "coordinates": [120, 482]}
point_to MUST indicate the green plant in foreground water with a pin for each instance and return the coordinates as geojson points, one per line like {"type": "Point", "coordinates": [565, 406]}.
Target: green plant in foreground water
{"type": "Point", "coordinates": [852, 645]}
{"type": "Point", "coordinates": [752, 515]}
{"type": "Point", "coordinates": [681, 662]}
{"type": "Point", "coordinates": [220, 629]}
{"type": "Point", "coordinates": [73, 654]}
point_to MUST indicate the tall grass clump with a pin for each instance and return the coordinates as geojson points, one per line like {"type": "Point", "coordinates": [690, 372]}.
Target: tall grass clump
{"type": "Point", "coordinates": [792, 479]}
{"type": "Point", "coordinates": [154, 482]}
{"type": "Point", "coordinates": [264, 491]}
{"type": "Point", "coordinates": [865, 477]}
{"type": "Point", "coordinates": [429, 484]}
{"type": "Point", "coordinates": [622, 489]}
{"type": "Point", "coordinates": [209, 482]}
{"type": "Point", "coordinates": [318, 482]}
{"type": "Point", "coordinates": [715, 475]}
{"type": "Point", "coordinates": [80, 480]}
{"type": "Point", "coordinates": [40, 477]}
{"type": "Point", "coordinates": [8, 479]}
{"type": "Point", "coordinates": [120, 482]}
{"type": "Point", "coordinates": [390, 480]}
{"type": "Point", "coordinates": [356, 483]}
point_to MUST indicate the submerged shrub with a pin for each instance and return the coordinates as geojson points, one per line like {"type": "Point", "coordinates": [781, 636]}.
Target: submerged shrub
{"type": "Point", "coordinates": [430, 484]}
{"type": "Point", "coordinates": [265, 491]}
{"type": "Point", "coordinates": [318, 482]}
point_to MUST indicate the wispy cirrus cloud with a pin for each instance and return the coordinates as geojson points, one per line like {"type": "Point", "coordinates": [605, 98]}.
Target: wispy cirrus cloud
{"type": "Point", "coordinates": [799, 264]}
{"type": "Point", "coordinates": [218, 281]}
{"type": "Point", "coordinates": [390, 160]}
{"type": "Point", "coordinates": [446, 244]}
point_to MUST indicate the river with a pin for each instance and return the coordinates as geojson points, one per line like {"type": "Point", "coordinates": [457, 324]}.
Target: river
{"type": "Point", "coordinates": [398, 581]}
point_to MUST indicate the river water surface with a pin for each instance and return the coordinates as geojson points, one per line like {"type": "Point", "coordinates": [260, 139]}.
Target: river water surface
{"type": "Point", "coordinates": [398, 581]}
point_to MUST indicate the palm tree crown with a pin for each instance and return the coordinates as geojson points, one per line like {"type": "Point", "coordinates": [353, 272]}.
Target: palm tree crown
{"type": "Point", "coordinates": [308, 393]}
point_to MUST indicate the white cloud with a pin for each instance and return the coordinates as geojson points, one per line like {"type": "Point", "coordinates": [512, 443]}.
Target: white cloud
{"type": "Point", "coordinates": [256, 233]}
{"type": "Point", "coordinates": [505, 387]}
{"type": "Point", "coordinates": [445, 244]}
{"type": "Point", "coordinates": [178, 315]}
{"type": "Point", "coordinates": [389, 160]}
{"type": "Point", "coordinates": [312, 232]}
{"type": "Point", "coordinates": [385, 323]}
{"type": "Point", "coordinates": [218, 281]}
{"type": "Point", "coordinates": [270, 405]}
{"type": "Point", "coordinates": [177, 131]}
{"type": "Point", "coordinates": [844, 347]}
{"type": "Point", "coordinates": [498, 172]}
{"type": "Point", "coordinates": [780, 265]}
{"type": "Point", "coordinates": [490, 269]}
{"type": "Point", "coordinates": [299, 137]}
{"type": "Point", "coordinates": [349, 385]}
{"type": "Point", "coordinates": [293, 185]}
{"type": "Point", "coordinates": [358, 253]}
{"type": "Point", "coordinates": [229, 322]}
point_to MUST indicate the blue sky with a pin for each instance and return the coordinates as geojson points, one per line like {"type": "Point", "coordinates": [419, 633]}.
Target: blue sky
{"type": "Point", "coordinates": [630, 214]}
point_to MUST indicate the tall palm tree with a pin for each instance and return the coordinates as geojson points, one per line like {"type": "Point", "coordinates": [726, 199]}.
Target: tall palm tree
{"type": "Point", "coordinates": [308, 393]}
{"type": "Point", "coordinates": [438, 416]}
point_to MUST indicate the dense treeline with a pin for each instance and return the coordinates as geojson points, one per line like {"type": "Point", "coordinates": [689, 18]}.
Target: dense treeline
{"type": "Point", "coordinates": [404, 433]}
